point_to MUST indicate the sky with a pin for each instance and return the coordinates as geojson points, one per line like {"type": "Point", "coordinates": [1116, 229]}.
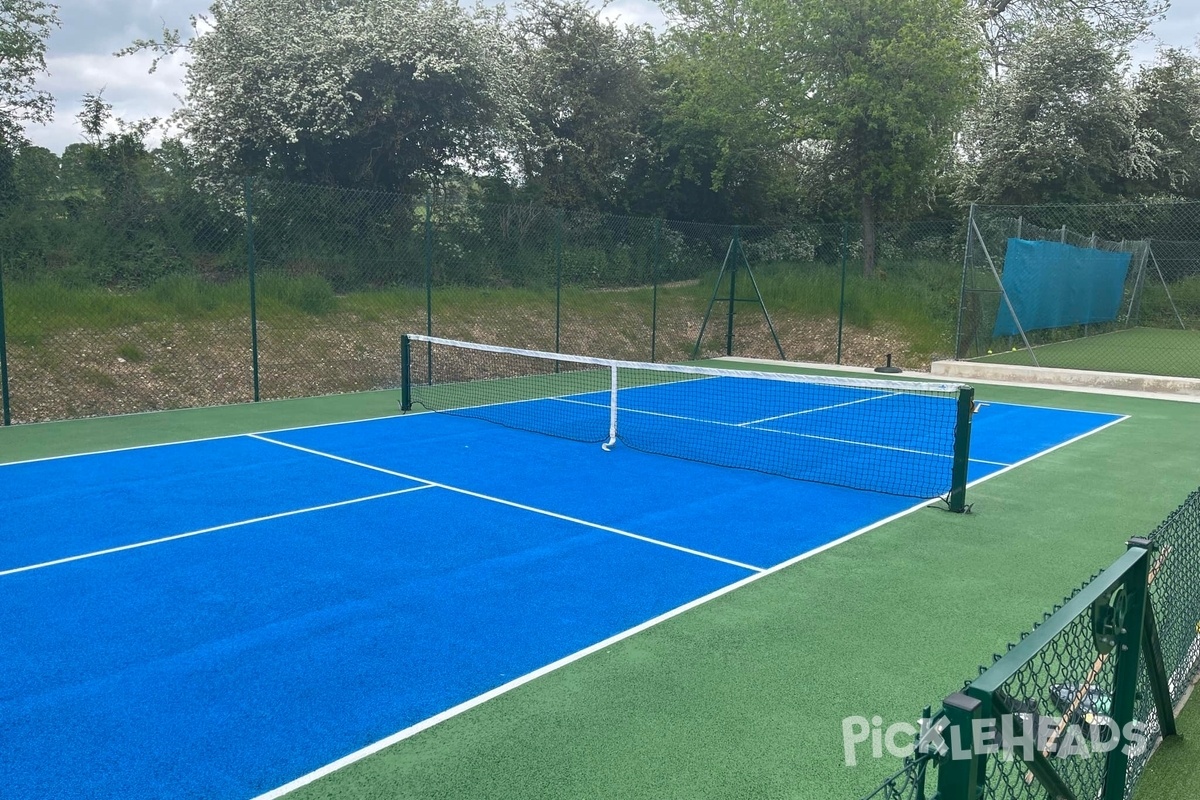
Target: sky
{"type": "Point", "coordinates": [79, 56]}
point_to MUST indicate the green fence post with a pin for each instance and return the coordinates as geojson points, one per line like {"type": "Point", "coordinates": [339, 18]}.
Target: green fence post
{"type": "Point", "coordinates": [654, 287]}
{"type": "Point", "coordinates": [1135, 586]}
{"type": "Point", "coordinates": [558, 283]}
{"type": "Point", "coordinates": [249, 195]}
{"type": "Point", "coordinates": [962, 450]}
{"type": "Point", "coordinates": [4, 400]}
{"type": "Point", "coordinates": [1156, 667]}
{"type": "Point", "coordinates": [405, 373]}
{"type": "Point", "coordinates": [737, 249]}
{"type": "Point", "coordinates": [842, 296]}
{"type": "Point", "coordinates": [960, 770]}
{"type": "Point", "coordinates": [429, 287]}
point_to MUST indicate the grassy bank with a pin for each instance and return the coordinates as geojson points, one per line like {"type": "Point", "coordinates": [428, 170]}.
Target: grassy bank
{"type": "Point", "coordinates": [77, 350]}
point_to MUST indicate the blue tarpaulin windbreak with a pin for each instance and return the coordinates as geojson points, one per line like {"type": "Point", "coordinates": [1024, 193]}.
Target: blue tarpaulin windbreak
{"type": "Point", "coordinates": [1053, 285]}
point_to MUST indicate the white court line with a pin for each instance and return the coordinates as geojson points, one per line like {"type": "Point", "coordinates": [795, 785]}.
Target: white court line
{"type": "Point", "coordinates": [478, 700]}
{"type": "Point", "coordinates": [510, 503]}
{"type": "Point", "coordinates": [173, 443]}
{"type": "Point", "coordinates": [814, 410]}
{"type": "Point", "coordinates": [220, 437]}
{"type": "Point", "coordinates": [213, 529]}
{"type": "Point", "coordinates": [776, 430]}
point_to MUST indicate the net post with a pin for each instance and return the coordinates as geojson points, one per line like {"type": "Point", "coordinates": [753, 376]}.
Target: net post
{"type": "Point", "coordinates": [612, 410]}
{"type": "Point", "coordinates": [962, 449]}
{"type": "Point", "coordinates": [405, 373]}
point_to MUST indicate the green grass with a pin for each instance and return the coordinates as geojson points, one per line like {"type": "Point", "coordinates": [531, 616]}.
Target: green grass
{"type": "Point", "coordinates": [916, 297]}
{"type": "Point", "coordinates": [743, 696]}
{"type": "Point", "coordinates": [1174, 771]}
{"type": "Point", "coordinates": [1149, 351]}
{"type": "Point", "coordinates": [919, 297]}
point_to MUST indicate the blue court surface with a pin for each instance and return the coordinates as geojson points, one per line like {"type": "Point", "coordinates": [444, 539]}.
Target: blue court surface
{"type": "Point", "coordinates": [218, 618]}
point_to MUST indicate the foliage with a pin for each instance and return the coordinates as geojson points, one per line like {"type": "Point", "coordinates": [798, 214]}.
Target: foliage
{"type": "Point", "coordinates": [24, 27]}
{"type": "Point", "coordinates": [1059, 126]}
{"type": "Point", "coordinates": [862, 98]}
{"type": "Point", "coordinates": [587, 83]}
{"type": "Point", "coordinates": [1167, 93]}
{"type": "Point", "coordinates": [890, 81]}
{"type": "Point", "coordinates": [357, 93]}
{"type": "Point", "coordinates": [1006, 24]}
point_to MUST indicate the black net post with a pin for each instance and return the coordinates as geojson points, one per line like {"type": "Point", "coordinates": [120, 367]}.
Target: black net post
{"type": "Point", "coordinates": [405, 374]}
{"type": "Point", "coordinates": [4, 400]}
{"type": "Point", "coordinates": [962, 449]}
{"type": "Point", "coordinates": [249, 196]}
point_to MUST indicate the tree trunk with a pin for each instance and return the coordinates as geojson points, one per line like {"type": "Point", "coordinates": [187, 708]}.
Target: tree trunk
{"type": "Point", "coordinates": [868, 234]}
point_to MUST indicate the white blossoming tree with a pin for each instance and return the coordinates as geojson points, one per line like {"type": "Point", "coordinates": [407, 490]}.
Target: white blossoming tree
{"type": "Point", "coordinates": [1060, 125]}
{"type": "Point", "coordinates": [389, 94]}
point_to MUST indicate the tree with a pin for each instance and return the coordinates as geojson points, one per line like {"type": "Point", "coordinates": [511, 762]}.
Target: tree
{"type": "Point", "coordinates": [1167, 94]}
{"type": "Point", "coordinates": [587, 82]}
{"type": "Point", "coordinates": [862, 97]}
{"type": "Point", "coordinates": [36, 173]}
{"type": "Point", "coordinates": [355, 93]}
{"type": "Point", "coordinates": [891, 80]}
{"type": "Point", "coordinates": [24, 27]}
{"type": "Point", "coordinates": [1060, 125]}
{"type": "Point", "coordinates": [1007, 23]}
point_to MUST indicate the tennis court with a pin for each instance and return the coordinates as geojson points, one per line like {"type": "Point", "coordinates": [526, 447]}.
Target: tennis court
{"type": "Point", "coordinates": [1147, 351]}
{"type": "Point", "coordinates": [225, 616]}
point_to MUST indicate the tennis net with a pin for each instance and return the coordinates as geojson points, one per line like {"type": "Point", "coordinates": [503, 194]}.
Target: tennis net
{"type": "Point", "coordinates": [897, 437]}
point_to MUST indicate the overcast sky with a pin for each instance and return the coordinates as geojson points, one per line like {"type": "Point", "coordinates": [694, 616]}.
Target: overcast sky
{"type": "Point", "coordinates": [79, 55]}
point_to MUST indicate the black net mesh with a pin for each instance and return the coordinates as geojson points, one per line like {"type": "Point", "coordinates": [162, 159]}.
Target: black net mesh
{"type": "Point", "coordinates": [885, 436]}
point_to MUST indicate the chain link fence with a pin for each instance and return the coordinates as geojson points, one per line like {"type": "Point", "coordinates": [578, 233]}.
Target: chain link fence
{"type": "Point", "coordinates": [161, 294]}
{"type": "Point", "coordinates": [1058, 701]}
{"type": "Point", "coordinates": [1038, 290]}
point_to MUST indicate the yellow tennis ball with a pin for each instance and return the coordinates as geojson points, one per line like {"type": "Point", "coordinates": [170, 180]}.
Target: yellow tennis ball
{"type": "Point", "coordinates": [989, 352]}
{"type": "Point", "coordinates": [1014, 349]}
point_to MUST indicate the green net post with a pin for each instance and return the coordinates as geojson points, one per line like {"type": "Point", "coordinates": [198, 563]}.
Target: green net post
{"type": "Point", "coordinates": [405, 373]}
{"type": "Point", "coordinates": [4, 400]}
{"type": "Point", "coordinates": [842, 296]}
{"type": "Point", "coordinates": [249, 194]}
{"type": "Point", "coordinates": [962, 450]}
{"type": "Point", "coordinates": [960, 772]}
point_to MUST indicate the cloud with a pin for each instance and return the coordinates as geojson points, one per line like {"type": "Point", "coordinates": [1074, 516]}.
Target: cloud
{"type": "Point", "coordinates": [80, 60]}
{"type": "Point", "coordinates": [634, 12]}
{"type": "Point", "coordinates": [126, 83]}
